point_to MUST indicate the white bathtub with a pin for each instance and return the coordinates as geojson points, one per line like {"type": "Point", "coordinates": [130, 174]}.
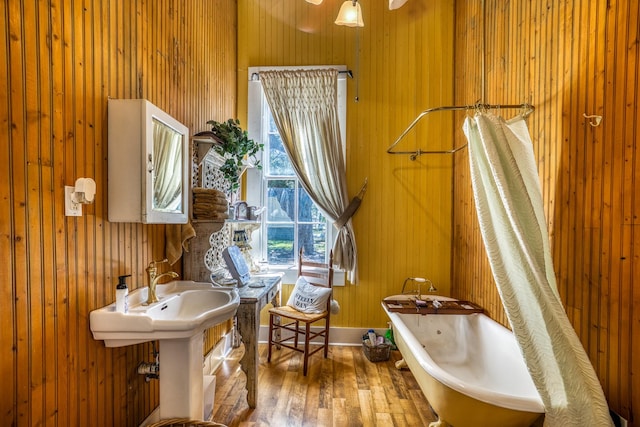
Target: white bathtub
{"type": "Point", "coordinates": [469, 368]}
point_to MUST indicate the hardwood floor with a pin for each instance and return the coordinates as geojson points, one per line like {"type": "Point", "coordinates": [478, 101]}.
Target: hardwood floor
{"type": "Point", "coordinates": [345, 389]}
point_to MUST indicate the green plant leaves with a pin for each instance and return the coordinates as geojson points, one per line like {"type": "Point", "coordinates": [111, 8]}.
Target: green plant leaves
{"type": "Point", "coordinates": [235, 146]}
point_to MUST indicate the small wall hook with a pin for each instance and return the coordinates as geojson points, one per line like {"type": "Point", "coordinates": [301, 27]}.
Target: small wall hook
{"type": "Point", "coordinates": [595, 119]}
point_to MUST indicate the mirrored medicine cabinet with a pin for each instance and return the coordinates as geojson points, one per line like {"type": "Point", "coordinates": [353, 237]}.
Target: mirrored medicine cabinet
{"type": "Point", "coordinates": [148, 164]}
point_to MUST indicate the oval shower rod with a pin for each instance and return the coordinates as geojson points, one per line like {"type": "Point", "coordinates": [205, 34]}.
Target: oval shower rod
{"type": "Point", "coordinates": [526, 110]}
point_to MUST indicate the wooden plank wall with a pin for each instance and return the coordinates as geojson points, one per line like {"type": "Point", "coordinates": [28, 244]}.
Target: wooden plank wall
{"type": "Point", "coordinates": [63, 59]}
{"type": "Point", "coordinates": [404, 65]}
{"type": "Point", "coordinates": [568, 58]}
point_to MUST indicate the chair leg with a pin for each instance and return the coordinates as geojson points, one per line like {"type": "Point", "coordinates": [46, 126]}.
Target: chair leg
{"type": "Point", "coordinates": [326, 341]}
{"type": "Point", "coordinates": [270, 337]}
{"type": "Point", "coordinates": [306, 348]}
{"type": "Point", "coordinates": [277, 332]}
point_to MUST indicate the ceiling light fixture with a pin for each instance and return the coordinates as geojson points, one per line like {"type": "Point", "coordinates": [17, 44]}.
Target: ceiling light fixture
{"type": "Point", "coordinates": [316, 1]}
{"type": "Point", "coordinates": [350, 14]}
{"type": "Point", "coordinates": [393, 4]}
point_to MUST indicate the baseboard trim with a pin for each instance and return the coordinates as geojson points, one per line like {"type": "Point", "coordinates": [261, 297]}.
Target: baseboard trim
{"type": "Point", "coordinates": [214, 358]}
{"type": "Point", "coordinates": [337, 335]}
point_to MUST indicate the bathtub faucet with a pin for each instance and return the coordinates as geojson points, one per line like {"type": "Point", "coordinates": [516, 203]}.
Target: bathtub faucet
{"type": "Point", "coordinates": [412, 291]}
{"type": "Point", "coordinates": [418, 281]}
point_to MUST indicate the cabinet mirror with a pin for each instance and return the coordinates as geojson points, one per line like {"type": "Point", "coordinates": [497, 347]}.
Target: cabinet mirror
{"type": "Point", "coordinates": [148, 164]}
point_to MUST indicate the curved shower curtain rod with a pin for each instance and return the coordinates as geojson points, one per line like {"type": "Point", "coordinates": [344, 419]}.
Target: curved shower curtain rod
{"type": "Point", "coordinates": [526, 110]}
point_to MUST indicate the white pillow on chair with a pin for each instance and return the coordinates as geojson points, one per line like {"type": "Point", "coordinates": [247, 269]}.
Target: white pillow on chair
{"type": "Point", "coordinates": [308, 298]}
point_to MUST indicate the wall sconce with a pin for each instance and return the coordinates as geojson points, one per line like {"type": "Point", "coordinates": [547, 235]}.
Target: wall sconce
{"type": "Point", "coordinates": [350, 14]}
{"type": "Point", "coordinates": [83, 193]}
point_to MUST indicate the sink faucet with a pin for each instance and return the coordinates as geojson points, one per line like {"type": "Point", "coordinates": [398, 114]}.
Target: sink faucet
{"type": "Point", "coordinates": [152, 270]}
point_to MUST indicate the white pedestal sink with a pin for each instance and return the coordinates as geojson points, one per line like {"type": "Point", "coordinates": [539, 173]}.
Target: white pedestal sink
{"type": "Point", "coordinates": [184, 310]}
{"type": "Point", "coordinates": [181, 392]}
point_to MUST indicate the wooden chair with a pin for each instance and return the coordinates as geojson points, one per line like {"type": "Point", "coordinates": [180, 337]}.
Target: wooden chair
{"type": "Point", "coordinates": [289, 319]}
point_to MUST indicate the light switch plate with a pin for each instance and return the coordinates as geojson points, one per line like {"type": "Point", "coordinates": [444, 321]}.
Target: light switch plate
{"type": "Point", "coordinates": [70, 208]}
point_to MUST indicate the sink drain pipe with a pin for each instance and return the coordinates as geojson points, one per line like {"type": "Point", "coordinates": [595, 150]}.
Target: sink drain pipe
{"type": "Point", "coordinates": [150, 370]}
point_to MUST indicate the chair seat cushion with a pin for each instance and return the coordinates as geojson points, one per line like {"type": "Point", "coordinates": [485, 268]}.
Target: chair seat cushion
{"type": "Point", "coordinates": [294, 314]}
{"type": "Point", "coordinates": [309, 298]}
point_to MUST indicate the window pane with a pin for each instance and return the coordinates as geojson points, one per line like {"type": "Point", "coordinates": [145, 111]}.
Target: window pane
{"type": "Point", "coordinates": [272, 123]}
{"type": "Point", "coordinates": [307, 209]}
{"type": "Point", "coordinates": [291, 220]}
{"type": "Point", "coordinates": [312, 238]}
{"type": "Point", "coordinates": [281, 200]}
{"type": "Point", "coordinates": [279, 163]}
{"type": "Point", "coordinates": [280, 244]}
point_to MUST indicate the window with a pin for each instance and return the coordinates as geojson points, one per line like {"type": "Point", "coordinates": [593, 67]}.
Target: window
{"type": "Point", "coordinates": [291, 219]}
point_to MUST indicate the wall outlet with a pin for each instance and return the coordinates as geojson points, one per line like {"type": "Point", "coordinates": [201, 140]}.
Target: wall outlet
{"type": "Point", "coordinates": [71, 208]}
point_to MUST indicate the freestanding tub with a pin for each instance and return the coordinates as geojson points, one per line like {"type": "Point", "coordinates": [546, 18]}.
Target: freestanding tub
{"type": "Point", "coordinates": [469, 368]}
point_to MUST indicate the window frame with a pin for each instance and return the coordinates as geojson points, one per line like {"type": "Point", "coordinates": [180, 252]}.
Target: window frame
{"type": "Point", "coordinates": [256, 123]}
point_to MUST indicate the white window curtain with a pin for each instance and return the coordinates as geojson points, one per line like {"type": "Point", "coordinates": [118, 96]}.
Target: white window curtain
{"type": "Point", "coordinates": [304, 108]}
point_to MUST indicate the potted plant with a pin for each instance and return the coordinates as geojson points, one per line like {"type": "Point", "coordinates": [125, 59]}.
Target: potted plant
{"type": "Point", "coordinates": [236, 148]}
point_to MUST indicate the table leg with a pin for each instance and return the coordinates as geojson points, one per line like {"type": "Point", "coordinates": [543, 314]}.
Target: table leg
{"type": "Point", "coordinates": [275, 302]}
{"type": "Point", "coordinates": [248, 327]}
{"type": "Point", "coordinates": [235, 337]}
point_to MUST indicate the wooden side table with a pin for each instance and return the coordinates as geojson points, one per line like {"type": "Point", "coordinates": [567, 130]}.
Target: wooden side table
{"type": "Point", "coordinates": [252, 301]}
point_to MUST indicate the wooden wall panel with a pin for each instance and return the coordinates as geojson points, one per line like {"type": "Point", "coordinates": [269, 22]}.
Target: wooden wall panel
{"type": "Point", "coordinates": [568, 58]}
{"type": "Point", "coordinates": [63, 59]}
{"type": "Point", "coordinates": [405, 65]}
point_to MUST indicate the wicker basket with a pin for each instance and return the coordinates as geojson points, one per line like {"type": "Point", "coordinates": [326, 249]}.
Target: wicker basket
{"type": "Point", "coordinates": [379, 353]}
{"type": "Point", "coordinates": [185, 422]}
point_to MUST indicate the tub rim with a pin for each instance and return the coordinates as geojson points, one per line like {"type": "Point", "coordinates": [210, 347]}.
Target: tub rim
{"type": "Point", "coordinates": [521, 403]}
